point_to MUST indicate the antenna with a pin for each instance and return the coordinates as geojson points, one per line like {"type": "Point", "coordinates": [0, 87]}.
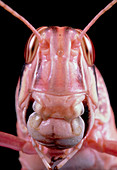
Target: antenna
{"type": "Point", "coordinates": [14, 13]}
{"type": "Point", "coordinates": [96, 18]}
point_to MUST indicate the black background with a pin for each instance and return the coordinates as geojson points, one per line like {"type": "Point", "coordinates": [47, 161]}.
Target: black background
{"type": "Point", "coordinates": [14, 35]}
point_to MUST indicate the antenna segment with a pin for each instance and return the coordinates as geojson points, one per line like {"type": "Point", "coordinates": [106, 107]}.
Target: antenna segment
{"type": "Point", "coordinates": [14, 13]}
{"type": "Point", "coordinates": [96, 18]}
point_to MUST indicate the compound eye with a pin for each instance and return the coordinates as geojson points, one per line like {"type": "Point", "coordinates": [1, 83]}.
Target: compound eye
{"type": "Point", "coordinates": [88, 50]}
{"type": "Point", "coordinates": [31, 49]}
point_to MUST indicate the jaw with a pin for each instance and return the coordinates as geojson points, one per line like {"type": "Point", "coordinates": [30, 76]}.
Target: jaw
{"type": "Point", "coordinates": [56, 126]}
{"type": "Point", "coordinates": [57, 133]}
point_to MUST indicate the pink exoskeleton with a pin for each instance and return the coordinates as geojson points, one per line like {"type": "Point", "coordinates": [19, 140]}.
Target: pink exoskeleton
{"type": "Point", "coordinates": [64, 117]}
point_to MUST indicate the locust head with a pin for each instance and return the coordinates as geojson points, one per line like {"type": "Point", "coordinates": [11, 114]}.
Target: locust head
{"type": "Point", "coordinates": [59, 79]}
{"type": "Point", "coordinates": [59, 83]}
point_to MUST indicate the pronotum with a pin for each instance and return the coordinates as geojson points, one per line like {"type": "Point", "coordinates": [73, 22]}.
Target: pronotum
{"type": "Point", "coordinates": [72, 122]}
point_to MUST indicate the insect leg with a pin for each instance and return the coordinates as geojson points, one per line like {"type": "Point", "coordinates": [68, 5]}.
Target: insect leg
{"type": "Point", "coordinates": [110, 146]}
{"type": "Point", "coordinates": [69, 156]}
{"type": "Point", "coordinates": [43, 157]}
{"type": "Point", "coordinates": [16, 143]}
{"type": "Point", "coordinates": [99, 143]}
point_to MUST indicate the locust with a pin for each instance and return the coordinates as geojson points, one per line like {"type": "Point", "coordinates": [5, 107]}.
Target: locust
{"type": "Point", "coordinates": [71, 123]}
